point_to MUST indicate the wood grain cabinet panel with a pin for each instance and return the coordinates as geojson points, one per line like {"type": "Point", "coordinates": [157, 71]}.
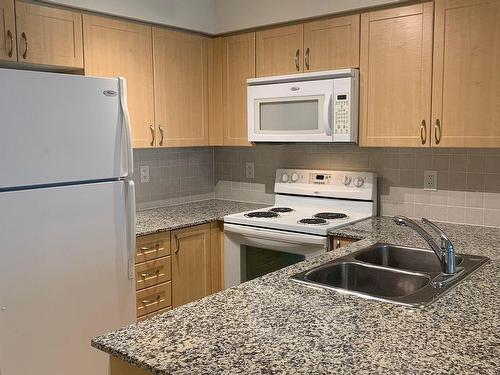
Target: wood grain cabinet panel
{"type": "Point", "coordinates": [181, 87]}
{"type": "Point", "coordinates": [119, 48]}
{"type": "Point", "coordinates": [191, 264]}
{"type": "Point", "coordinates": [279, 50]}
{"type": "Point", "coordinates": [152, 273]}
{"type": "Point", "coordinates": [396, 75]}
{"type": "Point", "coordinates": [331, 43]}
{"type": "Point", "coordinates": [154, 298]}
{"type": "Point", "coordinates": [238, 64]}
{"type": "Point", "coordinates": [466, 80]}
{"type": "Point", "coordinates": [152, 246]}
{"type": "Point", "coordinates": [8, 43]}
{"type": "Point", "coordinates": [49, 36]}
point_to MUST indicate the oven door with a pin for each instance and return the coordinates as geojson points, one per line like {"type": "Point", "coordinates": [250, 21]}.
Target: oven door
{"type": "Point", "coordinates": [291, 112]}
{"type": "Point", "coordinates": [251, 252]}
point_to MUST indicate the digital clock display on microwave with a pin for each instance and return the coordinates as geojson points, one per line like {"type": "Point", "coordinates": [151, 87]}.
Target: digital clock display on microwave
{"type": "Point", "coordinates": [320, 177]}
{"type": "Point", "coordinates": [342, 97]}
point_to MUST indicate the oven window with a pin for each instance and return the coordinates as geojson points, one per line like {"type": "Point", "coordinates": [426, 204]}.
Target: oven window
{"type": "Point", "coordinates": [289, 116]}
{"type": "Point", "coordinates": [259, 262]}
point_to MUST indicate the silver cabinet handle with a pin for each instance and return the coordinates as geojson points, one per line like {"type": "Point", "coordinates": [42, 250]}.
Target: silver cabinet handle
{"type": "Point", "coordinates": [337, 244]}
{"type": "Point", "coordinates": [423, 132]}
{"type": "Point", "coordinates": [307, 58]}
{"type": "Point", "coordinates": [297, 56]}
{"type": "Point", "coordinates": [152, 129]}
{"type": "Point", "coordinates": [161, 135]}
{"type": "Point", "coordinates": [11, 40]}
{"type": "Point", "coordinates": [153, 273]}
{"type": "Point", "coordinates": [147, 301]}
{"type": "Point", "coordinates": [25, 40]}
{"type": "Point", "coordinates": [438, 132]}
{"type": "Point", "coordinates": [177, 244]}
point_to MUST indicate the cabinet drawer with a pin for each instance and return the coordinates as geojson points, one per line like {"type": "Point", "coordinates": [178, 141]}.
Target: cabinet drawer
{"type": "Point", "coordinates": [161, 311]}
{"type": "Point", "coordinates": [152, 272]}
{"type": "Point", "coordinates": [152, 247]}
{"type": "Point", "coordinates": [154, 298]}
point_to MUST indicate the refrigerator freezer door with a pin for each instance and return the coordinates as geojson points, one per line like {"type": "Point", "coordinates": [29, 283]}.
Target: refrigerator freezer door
{"type": "Point", "coordinates": [63, 277]}
{"type": "Point", "coordinates": [58, 128]}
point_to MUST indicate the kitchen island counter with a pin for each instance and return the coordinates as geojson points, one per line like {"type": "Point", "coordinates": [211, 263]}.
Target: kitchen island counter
{"type": "Point", "coordinates": [273, 325]}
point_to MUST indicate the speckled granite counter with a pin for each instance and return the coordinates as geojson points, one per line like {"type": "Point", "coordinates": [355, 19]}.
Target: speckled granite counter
{"type": "Point", "coordinates": [272, 325]}
{"type": "Point", "coordinates": [188, 214]}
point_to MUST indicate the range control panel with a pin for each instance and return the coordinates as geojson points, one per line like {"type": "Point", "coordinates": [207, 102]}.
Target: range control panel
{"type": "Point", "coordinates": [341, 184]}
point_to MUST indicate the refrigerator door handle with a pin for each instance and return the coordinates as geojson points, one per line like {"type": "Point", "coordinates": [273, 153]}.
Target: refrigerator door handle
{"type": "Point", "coordinates": [131, 222]}
{"type": "Point", "coordinates": [122, 84]}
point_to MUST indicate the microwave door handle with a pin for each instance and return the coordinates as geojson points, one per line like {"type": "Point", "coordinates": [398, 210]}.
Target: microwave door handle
{"type": "Point", "coordinates": [327, 115]}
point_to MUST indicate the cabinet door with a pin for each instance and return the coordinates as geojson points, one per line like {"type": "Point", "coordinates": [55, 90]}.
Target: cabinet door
{"type": "Point", "coordinates": [181, 87]}
{"type": "Point", "coordinates": [8, 49]}
{"type": "Point", "coordinates": [396, 75]}
{"type": "Point", "coordinates": [117, 48]}
{"type": "Point", "coordinates": [331, 44]}
{"type": "Point", "coordinates": [238, 64]}
{"type": "Point", "coordinates": [49, 36]}
{"type": "Point", "coordinates": [216, 256]}
{"type": "Point", "coordinates": [279, 50]}
{"type": "Point", "coordinates": [191, 276]}
{"type": "Point", "coordinates": [466, 80]}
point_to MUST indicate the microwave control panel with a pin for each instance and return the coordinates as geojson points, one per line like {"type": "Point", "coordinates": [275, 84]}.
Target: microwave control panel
{"type": "Point", "coordinates": [345, 109]}
{"type": "Point", "coordinates": [342, 112]}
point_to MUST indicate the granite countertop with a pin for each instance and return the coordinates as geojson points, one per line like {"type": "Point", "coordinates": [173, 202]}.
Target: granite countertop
{"type": "Point", "coordinates": [272, 325]}
{"type": "Point", "coordinates": [188, 214]}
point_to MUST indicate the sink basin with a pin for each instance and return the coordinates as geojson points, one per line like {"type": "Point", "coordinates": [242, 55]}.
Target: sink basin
{"type": "Point", "coordinates": [397, 274]}
{"type": "Point", "coordinates": [412, 259]}
{"type": "Point", "coordinates": [367, 279]}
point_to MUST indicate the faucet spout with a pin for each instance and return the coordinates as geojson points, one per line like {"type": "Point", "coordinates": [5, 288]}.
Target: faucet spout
{"type": "Point", "coordinates": [403, 220]}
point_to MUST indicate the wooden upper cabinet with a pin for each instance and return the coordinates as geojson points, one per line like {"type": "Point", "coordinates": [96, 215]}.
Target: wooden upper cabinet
{"type": "Point", "coordinates": [118, 48]}
{"type": "Point", "coordinates": [279, 50]}
{"type": "Point", "coordinates": [49, 36]}
{"type": "Point", "coordinates": [331, 43]}
{"type": "Point", "coordinates": [466, 81]}
{"type": "Point", "coordinates": [238, 64]}
{"type": "Point", "coordinates": [191, 264]}
{"type": "Point", "coordinates": [181, 87]}
{"type": "Point", "coordinates": [8, 49]}
{"type": "Point", "coordinates": [396, 75]}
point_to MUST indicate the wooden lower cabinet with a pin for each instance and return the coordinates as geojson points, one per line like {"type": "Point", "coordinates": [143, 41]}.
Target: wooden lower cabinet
{"type": "Point", "coordinates": [338, 242]}
{"type": "Point", "coordinates": [191, 263]}
{"type": "Point", "coordinates": [120, 367]}
{"type": "Point", "coordinates": [174, 268]}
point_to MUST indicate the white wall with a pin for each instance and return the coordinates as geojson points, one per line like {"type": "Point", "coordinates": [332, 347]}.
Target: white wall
{"type": "Point", "coordinates": [233, 15]}
{"type": "Point", "coordinates": [219, 16]}
{"type": "Point", "coordinates": [198, 15]}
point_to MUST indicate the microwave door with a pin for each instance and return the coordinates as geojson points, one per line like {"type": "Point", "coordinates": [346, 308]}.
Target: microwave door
{"type": "Point", "coordinates": [290, 112]}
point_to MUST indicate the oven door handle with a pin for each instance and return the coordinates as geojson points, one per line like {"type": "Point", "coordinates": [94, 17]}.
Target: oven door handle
{"type": "Point", "coordinates": [274, 235]}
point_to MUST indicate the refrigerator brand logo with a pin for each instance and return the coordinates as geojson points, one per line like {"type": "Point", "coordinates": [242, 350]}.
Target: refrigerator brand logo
{"type": "Point", "coordinates": [109, 93]}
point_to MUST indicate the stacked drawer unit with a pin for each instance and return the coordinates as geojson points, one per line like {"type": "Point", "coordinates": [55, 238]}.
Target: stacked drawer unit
{"type": "Point", "coordinates": [153, 275]}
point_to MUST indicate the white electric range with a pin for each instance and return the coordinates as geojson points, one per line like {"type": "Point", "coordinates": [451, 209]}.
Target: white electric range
{"type": "Point", "coordinates": [308, 204]}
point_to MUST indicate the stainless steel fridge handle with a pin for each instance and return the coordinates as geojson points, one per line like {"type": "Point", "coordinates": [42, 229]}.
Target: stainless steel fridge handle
{"type": "Point", "coordinates": [131, 218]}
{"type": "Point", "coordinates": [122, 83]}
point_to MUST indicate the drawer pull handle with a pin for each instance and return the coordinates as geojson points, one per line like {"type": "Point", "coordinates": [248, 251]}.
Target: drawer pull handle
{"type": "Point", "coordinates": [437, 131]}
{"type": "Point", "coordinates": [145, 248]}
{"type": "Point", "coordinates": [147, 274]}
{"type": "Point", "coordinates": [177, 244]}
{"type": "Point", "coordinates": [423, 132]}
{"type": "Point", "coordinates": [307, 58]}
{"type": "Point", "coordinates": [297, 64]}
{"type": "Point", "coordinates": [147, 301]}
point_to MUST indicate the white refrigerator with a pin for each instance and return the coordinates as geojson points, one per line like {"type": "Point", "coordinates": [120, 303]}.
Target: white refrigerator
{"type": "Point", "coordinates": [67, 221]}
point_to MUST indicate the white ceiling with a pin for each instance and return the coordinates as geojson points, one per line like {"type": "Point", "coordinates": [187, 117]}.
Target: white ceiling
{"type": "Point", "coordinates": [219, 16]}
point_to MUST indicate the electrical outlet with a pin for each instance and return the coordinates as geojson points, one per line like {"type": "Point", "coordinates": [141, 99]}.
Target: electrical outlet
{"type": "Point", "coordinates": [144, 173]}
{"type": "Point", "coordinates": [250, 170]}
{"type": "Point", "coordinates": [430, 180]}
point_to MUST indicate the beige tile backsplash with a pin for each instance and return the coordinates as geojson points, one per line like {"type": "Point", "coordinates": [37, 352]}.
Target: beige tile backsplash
{"type": "Point", "coordinates": [468, 179]}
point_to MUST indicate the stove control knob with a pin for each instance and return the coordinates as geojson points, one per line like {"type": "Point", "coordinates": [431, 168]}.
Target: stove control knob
{"type": "Point", "coordinates": [285, 177]}
{"type": "Point", "coordinates": [295, 177]}
{"type": "Point", "coordinates": [346, 180]}
{"type": "Point", "coordinates": [359, 181]}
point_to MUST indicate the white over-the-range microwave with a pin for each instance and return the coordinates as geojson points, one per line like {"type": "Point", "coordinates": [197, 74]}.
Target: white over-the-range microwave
{"type": "Point", "coordinates": [309, 107]}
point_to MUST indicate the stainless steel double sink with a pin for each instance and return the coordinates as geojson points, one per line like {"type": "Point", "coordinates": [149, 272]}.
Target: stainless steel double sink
{"type": "Point", "coordinates": [397, 274]}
